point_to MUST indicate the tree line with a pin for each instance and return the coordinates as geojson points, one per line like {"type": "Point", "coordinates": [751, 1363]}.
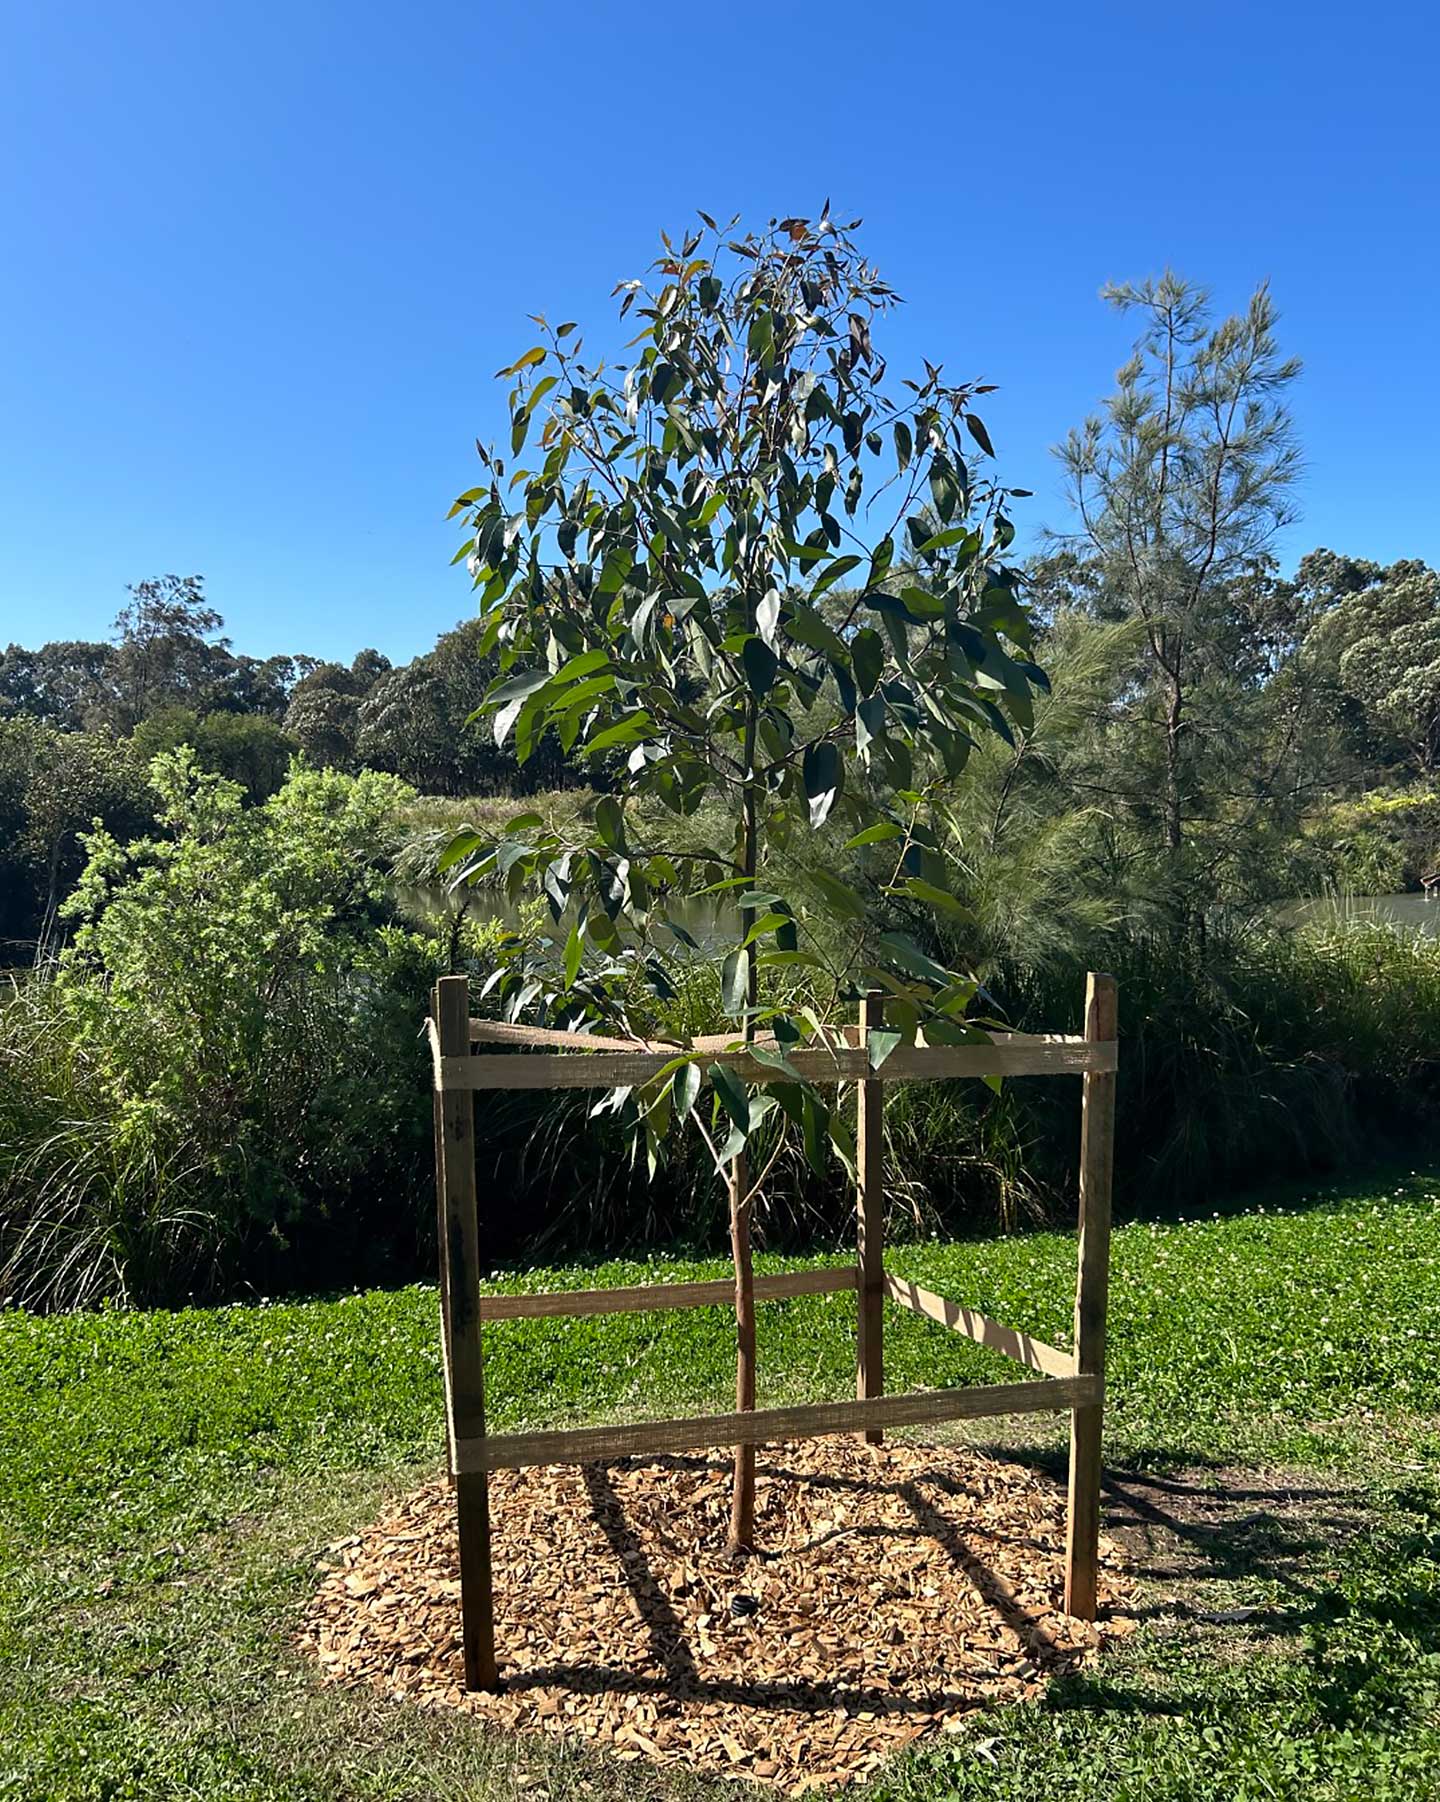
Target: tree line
{"type": "Point", "coordinates": [81, 721]}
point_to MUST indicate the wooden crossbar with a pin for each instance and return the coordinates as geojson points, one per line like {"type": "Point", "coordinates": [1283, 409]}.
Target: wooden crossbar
{"type": "Point", "coordinates": [553, 1038]}
{"type": "Point", "coordinates": [580, 1445]}
{"type": "Point", "coordinates": [1024, 1348]}
{"type": "Point", "coordinates": [1006, 1055]}
{"type": "Point", "coordinates": [640, 1298]}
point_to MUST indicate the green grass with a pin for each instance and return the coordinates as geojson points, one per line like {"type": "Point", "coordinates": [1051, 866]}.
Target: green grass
{"type": "Point", "coordinates": [167, 1480]}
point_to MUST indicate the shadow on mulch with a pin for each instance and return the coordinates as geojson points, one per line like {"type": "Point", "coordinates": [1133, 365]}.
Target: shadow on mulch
{"type": "Point", "coordinates": [895, 1590]}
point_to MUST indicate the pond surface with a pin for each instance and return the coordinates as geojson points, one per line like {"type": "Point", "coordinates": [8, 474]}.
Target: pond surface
{"type": "Point", "coordinates": [1409, 913]}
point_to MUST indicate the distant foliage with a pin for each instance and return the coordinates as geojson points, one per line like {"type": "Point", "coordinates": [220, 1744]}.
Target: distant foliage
{"type": "Point", "coordinates": [54, 785]}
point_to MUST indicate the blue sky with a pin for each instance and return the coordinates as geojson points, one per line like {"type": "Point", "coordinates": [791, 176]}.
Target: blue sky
{"type": "Point", "coordinates": [261, 261]}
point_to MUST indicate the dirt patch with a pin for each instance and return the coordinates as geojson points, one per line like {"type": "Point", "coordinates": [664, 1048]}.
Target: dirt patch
{"type": "Point", "coordinates": [897, 1589]}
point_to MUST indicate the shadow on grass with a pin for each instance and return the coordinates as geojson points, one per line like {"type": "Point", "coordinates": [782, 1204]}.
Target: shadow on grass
{"type": "Point", "coordinates": [1326, 1599]}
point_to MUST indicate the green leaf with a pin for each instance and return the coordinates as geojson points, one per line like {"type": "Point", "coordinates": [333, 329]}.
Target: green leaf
{"type": "Point", "coordinates": [459, 847]}
{"type": "Point", "coordinates": [840, 567]}
{"type": "Point", "coordinates": [903, 444]}
{"type": "Point", "coordinates": [761, 665]}
{"type": "Point", "coordinates": [790, 959]}
{"type": "Point", "coordinates": [514, 694]}
{"type": "Point", "coordinates": [625, 731]}
{"type": "Point", "coordinates": [839, 894]}
{"type": "Point", "coordinates": [823, 772]}
{"type": "Point", "coordinates": [730, 1093]}
{"type": "Point", "coordinates": [775, 1060]}
{"type": "Point", "coordinates": [686, 1086]}
{"type": "Point", "coordinates": [942, 540]}
{"type": "Point", "coordinates": [585, 664]}
{"type": "Point", "coordinates": [610, 822]}
{"type": "Point", "coordinates": [806, 627]}
{"type": "Point", "coordinates": [617, 566]}
{"type": "Point", "coordinates": [574, 954]}
{"type": "Point", "coordinates": [880, 560]}
{"type": "Point", "coordinates": [880, 1042]}
{"type": "Point", "coordinates": [874, 835]}
{"type": "Point", "coordinates": [937, 897]}
{"type": "Point", "coordinates": [869, 721]}
{"type": "Point", "coordinates": [867, 653]}
{"type": "Point", "coordinates": [905, 952]}
{"type": "Point", "coordinates": [814, 1126]}
{"type": "Point", "coordinates": [979, 434]}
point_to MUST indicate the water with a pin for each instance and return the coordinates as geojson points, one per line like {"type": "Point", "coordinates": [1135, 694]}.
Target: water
{"type": "Point", "coordinates": [1407, 913]}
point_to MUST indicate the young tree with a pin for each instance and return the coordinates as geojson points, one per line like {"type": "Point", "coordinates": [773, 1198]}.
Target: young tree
{"type": "Point", "coordinates": [1180, 486]}
{"type": "Point", "coordinates": [659, 575]}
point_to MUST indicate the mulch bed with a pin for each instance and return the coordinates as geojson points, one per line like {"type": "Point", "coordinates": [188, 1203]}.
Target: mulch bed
{"type": "Point", "coordinates": [896, 1589]}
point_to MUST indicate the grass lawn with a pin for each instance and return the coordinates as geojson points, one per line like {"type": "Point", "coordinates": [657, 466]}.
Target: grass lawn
{"type": "Point", "coordinates": [167, 1482]}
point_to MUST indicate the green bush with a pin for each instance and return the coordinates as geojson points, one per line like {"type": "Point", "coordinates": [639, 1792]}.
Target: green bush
{"type": "Point", "coordinates": [220, 1079]}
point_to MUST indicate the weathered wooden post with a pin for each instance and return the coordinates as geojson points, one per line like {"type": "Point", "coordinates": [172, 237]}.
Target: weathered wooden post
{"type": "Point", "coordinates": [870, 1224]}
{"type": "Point", "coordinates": [1092, 1284]}
{"type": "Point", "coordinates": [460, 1319]}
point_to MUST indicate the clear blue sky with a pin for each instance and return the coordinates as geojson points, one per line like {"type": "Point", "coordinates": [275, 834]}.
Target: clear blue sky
{"type": "Point", "coordinates": [260, 260]}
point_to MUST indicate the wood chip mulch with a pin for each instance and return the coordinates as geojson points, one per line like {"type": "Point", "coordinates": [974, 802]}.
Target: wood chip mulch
{"type": "Point", "coordinates": [896, 1589]}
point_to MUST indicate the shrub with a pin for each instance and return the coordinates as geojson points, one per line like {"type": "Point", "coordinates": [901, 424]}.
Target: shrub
{"type": "Point", "coordinates": [221, 1076]}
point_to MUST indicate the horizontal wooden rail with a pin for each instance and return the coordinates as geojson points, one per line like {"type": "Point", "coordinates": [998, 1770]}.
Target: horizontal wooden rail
{"type": "Point", "coordinates": [1013, 1055]}
{"type": "Point", "coordinates": [580, 1445]}
{"type": "Point", "coordinates": [508, 1032]}
{"type": "Point", "coordinates": [552, 1038]}
{"type": "Point", "coordinates": [1023, 1347]}
{"type": "Point", "coordinates": [642, 1297]}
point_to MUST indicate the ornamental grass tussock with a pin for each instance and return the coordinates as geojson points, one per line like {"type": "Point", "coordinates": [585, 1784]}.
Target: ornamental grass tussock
{"type": "Point", "coordinates": [896, 1590]}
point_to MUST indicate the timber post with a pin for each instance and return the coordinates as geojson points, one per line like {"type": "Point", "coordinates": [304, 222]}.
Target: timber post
{"type": "Point", "coordinates": [460, 1315]}
{"type": "Point", "coordinates": [1092, 1285]}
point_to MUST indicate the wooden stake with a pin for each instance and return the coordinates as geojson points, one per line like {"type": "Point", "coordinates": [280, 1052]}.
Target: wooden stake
{"type": "Point", "coordinates": [1092, 1284]}
{"type": "Point", "coordinates": [870, 1225]}
{"type": "Point", "coordinates": [465, 1367]}
{"type": "Point", "coordinates": [742, 1508]}
{"type": "Point", "coordinates": [440, 1260]}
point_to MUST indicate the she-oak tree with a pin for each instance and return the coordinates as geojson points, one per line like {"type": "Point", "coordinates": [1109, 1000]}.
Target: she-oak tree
{"type": "Point", "coordinates": [740, 568]}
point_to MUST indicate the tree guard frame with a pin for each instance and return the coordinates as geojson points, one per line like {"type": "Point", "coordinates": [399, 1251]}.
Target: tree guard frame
{"type": "Point", "coordinates": [1067, 1380]}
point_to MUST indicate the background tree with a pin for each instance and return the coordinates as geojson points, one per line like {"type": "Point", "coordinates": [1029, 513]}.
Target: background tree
{"type": "Point", "coordinates": [1375, 632]}
{"type": "Point", "coordinates": [654, 578]}
{"type": "Point", "coordinates": [1180, 486]}
{"type": "Point", "coordinates": [168, 647]}
{"type": "Point", "coordinates": [65, 683]}
{"type": "Point", "coordinates": [54, 786]}
{"type": "Point", "coordinates": [323, 716]}
{"type": "Point", "coordinates": [248, 748]}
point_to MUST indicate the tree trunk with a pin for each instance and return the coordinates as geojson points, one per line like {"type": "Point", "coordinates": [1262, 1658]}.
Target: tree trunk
{"type": "Point", "coordinates": [742, 1502]}
{"type": "Point", "coordinates": [1174, 724]}
{"type": "Point", "coordinates": [742, 1506]}
{"type": "Point", "coordinates": [1179, 899]}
